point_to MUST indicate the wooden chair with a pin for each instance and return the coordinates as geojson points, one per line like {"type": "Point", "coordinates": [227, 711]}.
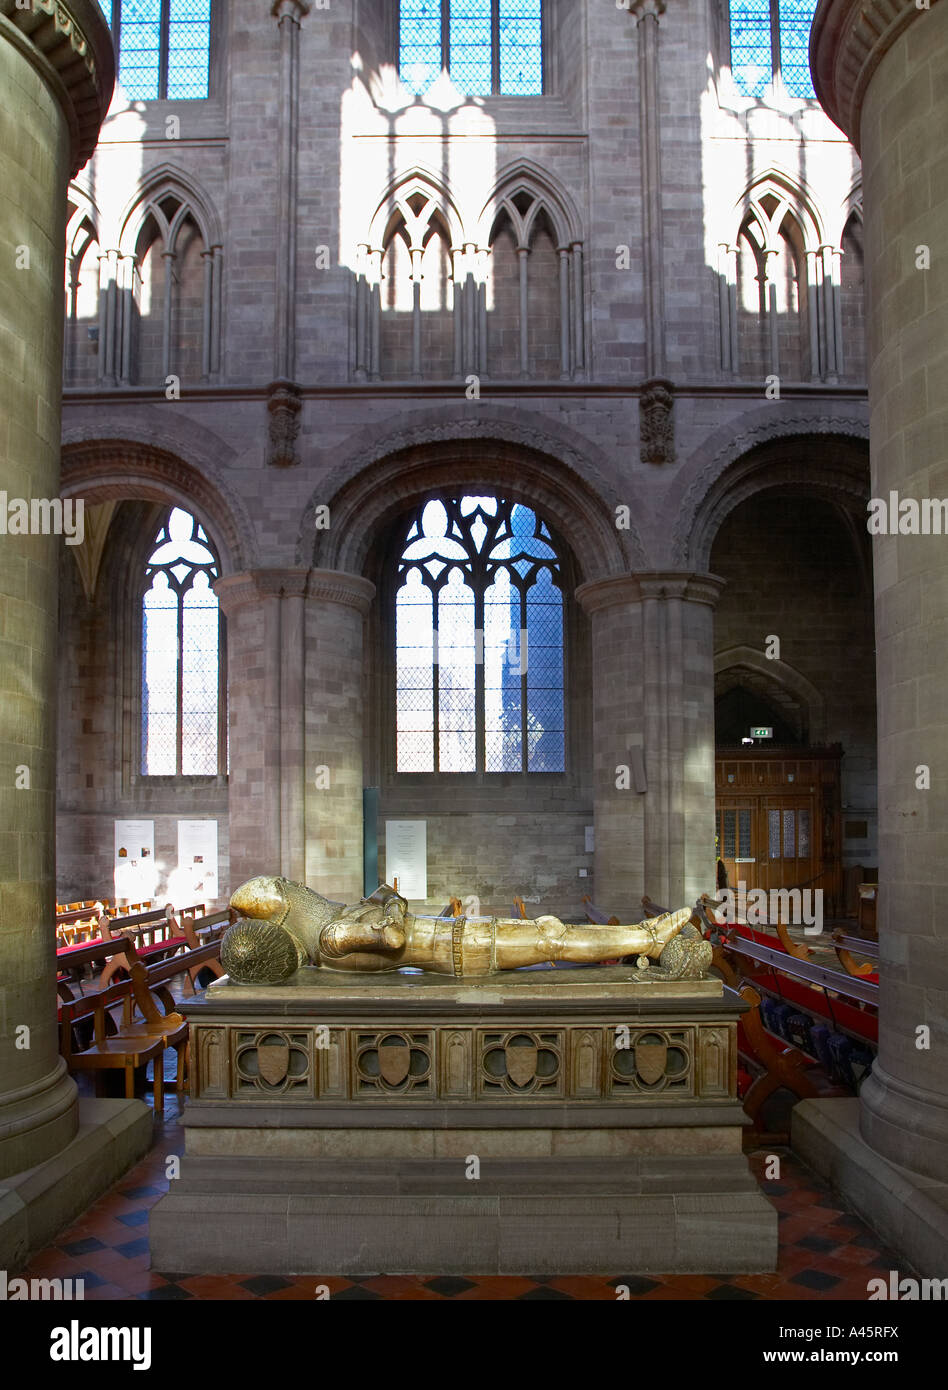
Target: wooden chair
{"type": "Point", "coordinates": [110, 1049]}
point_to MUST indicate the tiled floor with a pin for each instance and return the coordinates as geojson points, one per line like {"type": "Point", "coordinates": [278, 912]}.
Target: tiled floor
{"type": "Point", "coordinates": [825, 1252]}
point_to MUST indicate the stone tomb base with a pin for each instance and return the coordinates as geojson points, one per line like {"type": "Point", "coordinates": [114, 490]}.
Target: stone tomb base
{"type": "Point", "coordinates": [413, 1124]}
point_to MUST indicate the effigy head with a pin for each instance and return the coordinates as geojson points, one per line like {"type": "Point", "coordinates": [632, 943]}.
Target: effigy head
{"type": "Point", "coordinates": [261, 897]}
{"type": "Point", "coordinates": [259, 953]}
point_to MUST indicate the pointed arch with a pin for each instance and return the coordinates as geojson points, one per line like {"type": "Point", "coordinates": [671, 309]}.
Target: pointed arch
{"type": "Point", "coordinates": [83, 250]}
{"type": "Point", "coordinates": [168, 181]}
{"type": "Point", "coordinates": [170, 320]}
{"type": "Point", "coordinates": [526, 180]}
{"type": "Point", "coordinates": [788, 196]}
{"type": "Point", "coordinates": [417, 194]}
{"type": "Point", "coordinates": [786, 687]}
{"type": "Point", "coordinates": [534, 276]}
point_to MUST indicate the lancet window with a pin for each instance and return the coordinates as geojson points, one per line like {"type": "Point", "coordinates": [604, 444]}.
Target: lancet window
{"type": "Point", "coordinates": [182, 669]}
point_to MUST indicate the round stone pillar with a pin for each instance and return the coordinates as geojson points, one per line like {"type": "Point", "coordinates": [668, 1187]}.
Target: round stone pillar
{"type": "Point", "coordinates": [54, 93]}
{"type": "Point", "coordinates": [653, 755]}
{"type": "Point", "coordinates": [880, 72]}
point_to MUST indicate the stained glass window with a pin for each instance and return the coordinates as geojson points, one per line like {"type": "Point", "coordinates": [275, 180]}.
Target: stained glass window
{"type": "Point", "coordinates": [181, 654]}
{"type": "Point", "coordinates": [479, 641]}
{"type": "Point", "coordinates": [163, 48]}
{"type": "Point", "coordinates": [769, 36]}
{"type": "Point", "coordinates": [488, 46]}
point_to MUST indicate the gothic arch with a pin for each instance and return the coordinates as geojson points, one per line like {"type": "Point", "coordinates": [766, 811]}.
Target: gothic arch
{"type": "Point", "coordinates": [161, 183]}
{"type": "Point", "coordinates": [782, 684]}
{"type": "Point", "coordinates": [98, 470]}
{"type": "Point", "coordinates": [83, 218]}
{"type": "Point", "coordinates": [790, 198]}
{"type": "Point", "coordinates": [389, 472]}
{"type": "Point", "coordinates": [772, 448]}
{"type": "Point", "coordinates": [413, 184]}
{"type": "Point", "coordinates": [527, 181]}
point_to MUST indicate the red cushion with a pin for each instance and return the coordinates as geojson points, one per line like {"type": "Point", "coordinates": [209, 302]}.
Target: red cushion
{"type": "Point", "coordinates": [77, 946]}
{"type": "Point", "coordinates": [172, 941]}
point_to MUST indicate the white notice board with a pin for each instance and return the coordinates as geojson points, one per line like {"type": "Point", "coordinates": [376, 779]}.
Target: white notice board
{"type": "Point", "coordinates": [135, 876]}
{"type": "Point", "coordinates": [197, 862]}
{"type": "Point", "coordinates": [406, 856]}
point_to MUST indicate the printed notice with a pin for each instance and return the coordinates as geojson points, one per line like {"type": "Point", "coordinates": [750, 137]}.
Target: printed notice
{"type": "Point", "coordinates": [406, 857]}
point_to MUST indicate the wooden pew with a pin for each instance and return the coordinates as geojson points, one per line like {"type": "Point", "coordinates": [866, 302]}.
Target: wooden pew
{"type": "Point", "coordinates": [596, 915]}
{"type": "Point", "coordinates": [825, 995]}
{"type": "Point", "coordinates": [201, 933]}
{"type": "Point", "coordinates": [141, 929]}
{"type": "Point", "coordinates": [846, 945]}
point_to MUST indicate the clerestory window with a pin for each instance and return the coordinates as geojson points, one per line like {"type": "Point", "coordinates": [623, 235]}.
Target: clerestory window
{"type": "Point", "coordinates": [182, 670]}
{"type": "Point", "coordinates": [163, 48]}
{"type": "Point", "coordinates": [479, 640]}
{"type": "Point", "coordinates": [489, 47]}
{"type": "Point", "coordinates": [771, 37]}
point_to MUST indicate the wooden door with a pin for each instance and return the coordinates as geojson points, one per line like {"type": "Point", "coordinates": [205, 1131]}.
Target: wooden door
{"type": "Point", "coordinates": [738, 832]}
{"type": "Point", "coordinates": [791, 855]}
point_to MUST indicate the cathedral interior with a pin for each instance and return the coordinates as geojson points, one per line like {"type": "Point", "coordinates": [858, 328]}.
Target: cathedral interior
{"type": "Point", "coordinates": [437, 441]}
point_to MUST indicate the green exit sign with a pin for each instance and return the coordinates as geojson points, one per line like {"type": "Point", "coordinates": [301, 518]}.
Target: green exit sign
{"type": "Point", "coordinates": [762, 732]}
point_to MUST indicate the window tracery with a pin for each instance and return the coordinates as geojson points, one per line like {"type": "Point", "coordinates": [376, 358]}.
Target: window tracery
{"type": "Point", "coordinates": [479, 640]}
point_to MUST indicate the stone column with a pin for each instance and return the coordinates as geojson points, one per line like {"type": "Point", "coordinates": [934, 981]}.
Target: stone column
{"type": "Point", "coordinates": [265, 747]}
{"type": "Point", "coordinates": [653, 697]}
{"type": "Point", "coordinates": [53, 98]}
{"type": "Point", "coordinates": [647, 14]}
{"type": "Point", "coordinates": [288, 14]}
{"type": "Point", "coordinates": [880, 71]}
{"type": "Point", "coordinates": [336, 605]}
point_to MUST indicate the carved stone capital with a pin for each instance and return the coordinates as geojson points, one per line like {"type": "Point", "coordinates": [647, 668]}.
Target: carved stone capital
{"type": "Point", "coordinates": [656, 421]}
{"type": "Point", "coordinates": [618, 589]}
{"type": "Point", "coordinates": [673, 584]}
{"type": "Point", "coordinates": [629, 589]}
{"type": "Point", "coordinates": [69, 44]}
{"type": "Point", "coordinates": [848, 40]}
{"type": "Point", "coordinates": [284, 406]}
{"type": "Point", "coordinates": [336, 586]}
{"type": "Point", "coordinates": [646, 9]}
{"type": "Point", "coordinates": [253, 586]}
{"type": "Point", "coordinates": [293, 10]}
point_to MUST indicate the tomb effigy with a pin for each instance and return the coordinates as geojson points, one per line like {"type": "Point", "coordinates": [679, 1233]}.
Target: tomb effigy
{"type": "Point", "coordinates": [375, 1091]}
